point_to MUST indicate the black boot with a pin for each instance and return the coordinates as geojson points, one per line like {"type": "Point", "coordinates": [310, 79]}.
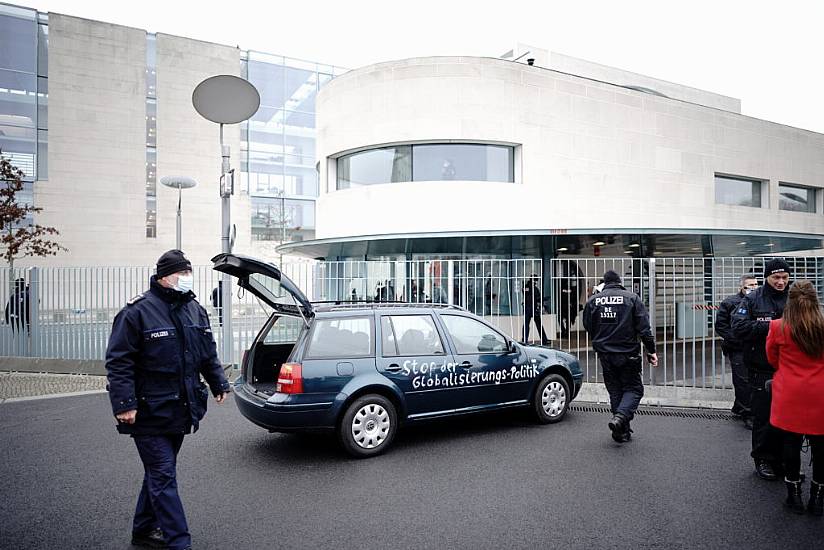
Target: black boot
{"type": "Point", "coordinates": [764, 470]}
{"type": "Point", "coordinates": [816, 504]}
{"type": "Point", "coordinates": [619, 426]}
{"type": "Point", "coordinates": [794, 501]}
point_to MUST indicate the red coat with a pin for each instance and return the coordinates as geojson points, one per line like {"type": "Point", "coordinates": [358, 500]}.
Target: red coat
{"type": "Point", "coordinates": [798, 386]}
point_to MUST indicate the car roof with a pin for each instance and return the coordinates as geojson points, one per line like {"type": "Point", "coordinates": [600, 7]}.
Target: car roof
{"type": "Point", "coordinates": [388, 307]}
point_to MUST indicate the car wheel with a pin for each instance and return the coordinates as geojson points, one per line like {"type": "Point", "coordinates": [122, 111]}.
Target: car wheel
{"type": "Point", "coordinates": [551, 399]}
{"type": "Point", "coordinates": [368, 426]}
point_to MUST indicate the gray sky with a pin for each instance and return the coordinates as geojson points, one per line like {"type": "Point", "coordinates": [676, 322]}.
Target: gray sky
{"type": "Point", "coordinates": [767, 53]}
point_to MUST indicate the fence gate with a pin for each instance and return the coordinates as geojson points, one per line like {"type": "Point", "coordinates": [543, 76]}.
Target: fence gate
{"type": "Point", "coordinates": [681, 294]}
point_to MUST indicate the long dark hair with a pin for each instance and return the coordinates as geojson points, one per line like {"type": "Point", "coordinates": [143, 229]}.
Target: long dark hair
{"type": "Point", "coordinates": [803, 316]}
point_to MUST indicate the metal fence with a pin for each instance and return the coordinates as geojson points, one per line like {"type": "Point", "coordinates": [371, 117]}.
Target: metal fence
{"type": "Point", "coordinates": [682, 295]}
{"type": "Point", "coordinates": [68, 312]}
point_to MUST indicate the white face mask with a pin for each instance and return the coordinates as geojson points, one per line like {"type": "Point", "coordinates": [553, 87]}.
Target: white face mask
{"type": "Point", "coordinates": [185, 283]}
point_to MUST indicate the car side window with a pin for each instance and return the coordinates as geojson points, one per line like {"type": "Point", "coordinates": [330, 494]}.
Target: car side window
{"type": "Point", "coordinates": [412, 334]}
{"type": "Point", "coordinates": [388, 341]}
{"type": "Point", "coordinates": [346, 337]}
{"type": "Point", "coordinates": [285, 331]}
{"type": "Point", "coordinates": [471, 336]}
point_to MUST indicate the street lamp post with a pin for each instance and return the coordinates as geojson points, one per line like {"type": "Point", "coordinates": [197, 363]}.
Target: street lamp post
{"type": "Point", "coordinates": [180, 183]}
{"type": "Point", "coordinates": [226, 99]}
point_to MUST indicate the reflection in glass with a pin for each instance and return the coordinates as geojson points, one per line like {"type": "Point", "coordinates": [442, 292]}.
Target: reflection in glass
{"type": "Point", "coordinates": [386, 165]}
{"type": "Point", "coordinates": [18, 41]}
{"type": "Point", "coordinates": [796, 198]}
{"type": "Point", "coordinates": [737, 191]}
{"type": "Point", "coordinates": [18, 144]}
{"type": "Point", "coordinates": [42, 155]}
{"type": "Point", "coordinates": [43, 49]}
{"type": "Point", "coordinates": [18, 98]}
{"type": "Point", "coordinates": [466, 162]}
{"type": "Point", "coordinates": [427, 162]}
{"type": "Point", "coordinates": [279, 142]}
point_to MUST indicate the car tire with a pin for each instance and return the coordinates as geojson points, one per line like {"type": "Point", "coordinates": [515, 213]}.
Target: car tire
{"type": "Point", "coordinates": [368, 426]}
{"type": "Point", "coordinates": [551, 400]}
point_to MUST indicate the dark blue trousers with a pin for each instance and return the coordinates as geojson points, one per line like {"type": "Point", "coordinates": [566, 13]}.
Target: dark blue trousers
{"type": "Point", "coordinates": [159, 504]}
{"type": "Point", "coordinates": [622, 377]}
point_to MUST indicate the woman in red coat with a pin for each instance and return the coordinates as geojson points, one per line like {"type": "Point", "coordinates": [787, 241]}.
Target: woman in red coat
{"type": "Point", "coordinates": [795, 348]}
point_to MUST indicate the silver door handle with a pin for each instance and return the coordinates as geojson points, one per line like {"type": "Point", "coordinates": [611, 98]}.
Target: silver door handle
{"type": "Point", "coordinates": [393, 368]}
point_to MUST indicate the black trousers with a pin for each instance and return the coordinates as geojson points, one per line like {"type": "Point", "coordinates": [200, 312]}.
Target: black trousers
{"type": "Point", "coordinates": [740, 382]}
{"type": "Point", "coordinates": [528, 316]}
{"type": "Point", "coordinates": [767, 441]}
{"type": "Point", "coordinates": [792, 456]}
{"type": "Point", "coordinates": [158, 504]}
{"type": "Point", "coordinates": [622, 377]}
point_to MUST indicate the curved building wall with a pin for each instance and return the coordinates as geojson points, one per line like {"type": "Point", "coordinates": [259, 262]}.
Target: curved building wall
{"type": "Point", "coordinates": [588, 155]}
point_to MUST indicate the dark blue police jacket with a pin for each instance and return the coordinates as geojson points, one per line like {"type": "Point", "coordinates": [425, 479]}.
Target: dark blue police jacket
{"type": "Point", "coordinates": [161, 344]}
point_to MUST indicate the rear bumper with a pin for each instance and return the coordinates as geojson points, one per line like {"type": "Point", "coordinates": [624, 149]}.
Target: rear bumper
{"type": "Point", "coordinates": [286, 417]}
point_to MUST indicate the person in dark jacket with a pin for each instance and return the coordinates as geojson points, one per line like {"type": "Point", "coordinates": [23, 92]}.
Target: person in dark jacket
{"type": "Point", "coordinates": [161, 344]}
{"type": "Point", "coordinates": [17, 312]}
{"type": "Point", "coordinates": [734, 350]}
{"type": "Point", "coordinates": [533, 306]}
{"type": "Point", "coordinates": [615, 319]}
{"type": "Point", "coordinates": [750, 325]}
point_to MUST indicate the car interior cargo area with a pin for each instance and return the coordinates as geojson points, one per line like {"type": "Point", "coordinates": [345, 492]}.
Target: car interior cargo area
{"type": "Point", "coordinates": [271, 350]}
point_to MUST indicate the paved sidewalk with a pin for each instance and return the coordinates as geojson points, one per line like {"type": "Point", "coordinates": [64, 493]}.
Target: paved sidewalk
{"type": "Point", "coordinates": [15, 385]}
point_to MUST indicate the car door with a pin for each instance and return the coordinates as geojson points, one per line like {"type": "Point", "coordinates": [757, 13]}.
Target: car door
{"type": "Point", "coordinates": [413, 356]}
{"type": "Point", "coordinates": [491, 373]}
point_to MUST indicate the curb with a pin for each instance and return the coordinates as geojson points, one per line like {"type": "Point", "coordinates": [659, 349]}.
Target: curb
{"type": "Point", "coordinates": [49, 396]}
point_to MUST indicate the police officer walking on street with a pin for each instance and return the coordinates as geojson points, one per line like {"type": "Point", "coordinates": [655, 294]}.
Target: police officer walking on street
{"type": "Point", "coordinates": [615, 319]}
{"type": "Point", "coordinates": [750, 325]}
{"type": "Point", "coordinates": [160, 346]}
{"type": "Point", "coordinates": [734, 350]}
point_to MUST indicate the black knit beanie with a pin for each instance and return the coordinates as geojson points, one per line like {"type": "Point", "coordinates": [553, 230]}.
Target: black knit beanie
{"type": "Point", "coordinates": [611, 277]}
{"type": "Point", "coordinates": [776, 266]}
{"type": "Point", "coordinates": [172, 262]}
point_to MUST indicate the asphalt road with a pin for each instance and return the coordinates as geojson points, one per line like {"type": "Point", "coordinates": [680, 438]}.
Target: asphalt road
{"type": "Point", "coordinates": [494, 481]}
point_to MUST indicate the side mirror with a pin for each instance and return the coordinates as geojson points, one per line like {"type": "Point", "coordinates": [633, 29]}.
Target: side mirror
{"type": "Point", "coordinates": [511, 346]}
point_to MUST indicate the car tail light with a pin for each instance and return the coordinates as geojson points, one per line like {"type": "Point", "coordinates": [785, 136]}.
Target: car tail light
{"type": "Point", "coordinates": [290, 378]}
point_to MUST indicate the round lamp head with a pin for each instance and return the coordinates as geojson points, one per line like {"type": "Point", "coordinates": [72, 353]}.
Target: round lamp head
{"type": "Point", "coordinates": [226, 99]}
{"type": "Point", "coordinates": [178, 182]}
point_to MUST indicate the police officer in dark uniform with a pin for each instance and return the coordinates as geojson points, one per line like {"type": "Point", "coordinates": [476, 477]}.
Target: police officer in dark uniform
{"type": "Point", "coordinates": [615, 319]}
{"type": "Point", "coordinates": [750, 325]}
{"type": "Point", "coordinates": [533, 307]}
{"type": "Point", "coordinates": [734, 350]}
{"type": "Point", "coordinates": [161, 345]}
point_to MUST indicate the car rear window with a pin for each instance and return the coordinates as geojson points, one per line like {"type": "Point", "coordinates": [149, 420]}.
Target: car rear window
{"type": "Point", "coordinates": [348, 337]}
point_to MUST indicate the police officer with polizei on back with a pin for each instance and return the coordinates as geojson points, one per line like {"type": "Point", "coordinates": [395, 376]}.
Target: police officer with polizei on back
{"type": "Point", "coordinates": [161, 345]}
{"type": "Point", "coordinates": [616, 319]}
{"type": "Point", "coordinates": [734, 349]}
{"type": "Point", "coordinates": [750, 325]}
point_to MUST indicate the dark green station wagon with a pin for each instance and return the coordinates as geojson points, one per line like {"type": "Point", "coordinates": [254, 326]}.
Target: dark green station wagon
{"type": "Point", "coordinates": [363, 370]}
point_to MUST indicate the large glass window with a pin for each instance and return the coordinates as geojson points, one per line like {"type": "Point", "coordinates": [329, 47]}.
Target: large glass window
{"type": "Point", "coordinates": [278, 143]}
{"type": "Point", "coordinates": [18, 39]}
{"type": "Point", "coordinates": [23, 96]}
{"type": "Point", "coordinates": [737, 191]}
{"type": "Point", "coordinates": [427, 162]}
{"type": "Point", "coordinates": [796, 198]}
{"type": "Point", "coordinates": [462, 162]}
{"type": "Point", "coordinates": [386, 165]}
{"type": "Point", "coordinates": [282, 219]}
